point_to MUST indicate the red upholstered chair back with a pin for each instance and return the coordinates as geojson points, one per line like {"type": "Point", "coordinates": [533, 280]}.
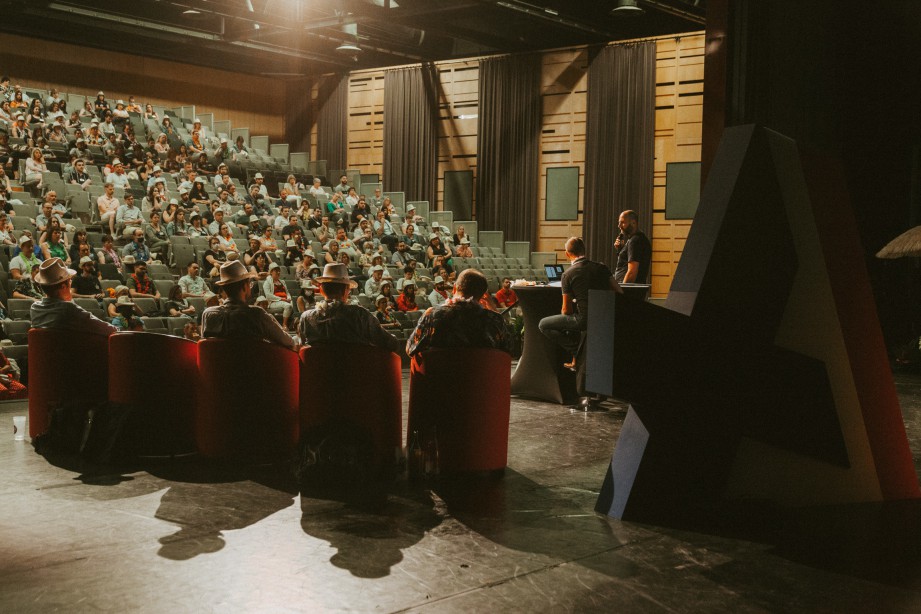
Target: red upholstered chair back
{"type": "Point", "coordinates": [366, 388]}
{"type": "Point", "coordinates": [466, 394]}
{"type": "Point", "coordinates": [64, 367]}
{"type": "Point", "coordinates": [248, 408]}
{"type": "Point", "coordinates": [158, 376]}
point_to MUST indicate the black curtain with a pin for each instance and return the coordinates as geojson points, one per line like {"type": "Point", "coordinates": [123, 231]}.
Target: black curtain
{"type": "Point", "coordinates": [332, 121]}
{"type": "Point", "coordinates": [411, 132]}
{"type": "Point", "coordinates": [619, 144]}
{"type": "Point", "coordinates": [508, 146]}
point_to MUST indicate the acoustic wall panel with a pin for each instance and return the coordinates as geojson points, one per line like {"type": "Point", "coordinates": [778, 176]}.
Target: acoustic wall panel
{"type": "Point", "coordinates": [458, 193]}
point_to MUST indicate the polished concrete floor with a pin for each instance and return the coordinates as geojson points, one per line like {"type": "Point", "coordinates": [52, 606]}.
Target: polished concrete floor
{"type": "Point", "coordinates": [180, 538]}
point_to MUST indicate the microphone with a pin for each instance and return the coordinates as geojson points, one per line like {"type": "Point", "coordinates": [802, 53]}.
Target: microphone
{"type": "Point", "coordinates": [621, 237]}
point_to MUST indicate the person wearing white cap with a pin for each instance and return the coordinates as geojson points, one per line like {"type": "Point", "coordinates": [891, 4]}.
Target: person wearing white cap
{"type": "Point", "coordinates": [336, 321]}
{"type": "Point", "coordinates": [86, 284]}
{"type": "Point", "coordinates": [22, 263]}
{"type": "Point", "coordinates": [101, 105]}
{"type": "Point", "coordinates": [463, 249]}
{"type": "Point", "coordinates": [274, 289]}
{"type": "Point", "coordinates": [120, 113]}
{"type": "Point", "coordinates": [222, 170]}
{"type": "Point", "coordinates": [118, 177]}
{"type": "Point", "coordinates": [439, 294]}
{"type": "Point", "coordinates": [155, 174]}
{"type": "Point", "coordinates": [236, 319]}
{"type": "Point", "coordinates": [57, 309]}
{"type": "Point", "coordinates": [373, 285]}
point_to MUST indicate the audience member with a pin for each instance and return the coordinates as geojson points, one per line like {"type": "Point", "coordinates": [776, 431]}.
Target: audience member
{"type": "Point", "coordinates": [461, 321]}
{"type": "Point", "coordinates": [57, 309]}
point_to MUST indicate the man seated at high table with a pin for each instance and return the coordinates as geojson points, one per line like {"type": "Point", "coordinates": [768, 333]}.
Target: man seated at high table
{"type": "Point", "coordinates": [336, 321]}
{"type": "Point", "coordinates": [461, 322]}
{"type": "Point", "coordinates": [582, 275]}
{"type": "Point", "coordinates": [57, 309]}
{"type": "Point", "coordinates": [236, 319]}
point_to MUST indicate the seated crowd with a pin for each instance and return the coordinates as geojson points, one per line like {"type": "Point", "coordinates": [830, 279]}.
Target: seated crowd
{"type": "Point", "coordinates": [155, 188]}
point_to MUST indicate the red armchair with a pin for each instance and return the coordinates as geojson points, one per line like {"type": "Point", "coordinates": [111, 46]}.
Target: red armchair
{"type": "Point", "coordinates": [375, 402]}
{"type": "Point", "coordinates": [465, 394]}
{"type": "Point", "coordinates": [158, 376]}
{"type": "Point", "coordinates": [249, 404]}
{"type": "Point", "coordinates": [65, 366]}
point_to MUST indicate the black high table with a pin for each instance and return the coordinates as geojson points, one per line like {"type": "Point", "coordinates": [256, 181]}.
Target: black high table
{"type": "Point", "coordinates": [540, 373]}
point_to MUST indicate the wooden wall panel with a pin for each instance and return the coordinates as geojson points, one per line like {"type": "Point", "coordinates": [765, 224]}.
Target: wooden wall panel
{"type": "Point", "coordinates": [564, 83]}
{"type": "Point", "coordinates": [458, 117]}
{"type": "Point", "coordinates": [679, 112]}
{"type": "Point", "coordinates": [248, 101]}
{"type": "Point", "coordinates": [366, 121]}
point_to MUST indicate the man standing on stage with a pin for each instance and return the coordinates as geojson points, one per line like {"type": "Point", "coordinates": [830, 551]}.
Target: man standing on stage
{"type": "Point", "coordinates": [634, 252]}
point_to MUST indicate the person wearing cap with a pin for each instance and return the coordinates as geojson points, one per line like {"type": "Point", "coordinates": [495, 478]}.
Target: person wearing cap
{"type": "Point", "coordinates": [439, 294]}
{"type": "Point", "coordinates": [120, 114]}
{"type": "Point", "coordinates": [117, 177]}
{"type": "Point", "coordinates": [336, 321]}
{"type": "Point", "coordinates": [196, 229]}
{"type": "Point", "coordinates": [26, 288]}
{"type": "Point", "coordinates": [222, 171]}
{"type": "Point", "coordinates": [57, 309]}
{"type": "Point", "coordinates": [79, 176]}
{"type": "Point", "coordinates": [506, 297]}
{"type": "Point", "coordinates": [81, 150]}
{"type": "Point", "coordinates": [437, 248]}
{"type": "Point", "coordinates": [198, 194]}
{"type": "Point", "coordinates": [215, 226]}
{"type": "Point", "coordinates": [236, 318]}
{"type": "Point", "coordinates": [101, 105]}
{"type": "Point", "coordinates": [295, 255]}
{"type": "Point", "coordinates": [155, 174]}
{"type": "Point", "coordinates": [463, 249]}
{"type": "Point", "coordinates": [387, 290]}
{"type": "Point", "coordinates": [20, 129]}
{"type": "Point", "coordinates": [461, 321]}
{"type": "Point", "coordinates": [373, 285]}
{"type": "Point", "coordinates": [274, 289]}
{"type": "Point", "coordinates": [86, 284]}
{"type": "Point", "coordinates": [126, 317]}
{"type": "Point", "coordinates": [406, 301]}
{"type": "Point", "coordinates": [23, 263]}
{"type": "Point", "coordinates": [384, 313]}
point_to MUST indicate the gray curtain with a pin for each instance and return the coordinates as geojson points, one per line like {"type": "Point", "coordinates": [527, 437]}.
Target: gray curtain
{"type": "Point", "coordinates": [411, 132]}
{"type": "Point", "coordinates": [332, 121]}
{"type": "Point", "coordinates": [508, 146]}
{"type": "Point", "coordinates": [619, 144]}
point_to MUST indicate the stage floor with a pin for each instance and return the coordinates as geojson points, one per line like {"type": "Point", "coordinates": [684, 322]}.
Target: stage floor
{"type": "Point", "coordinates": [183, 539]}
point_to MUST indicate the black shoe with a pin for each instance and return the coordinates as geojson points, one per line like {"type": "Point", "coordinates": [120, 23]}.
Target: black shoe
{"type": "Point", "coordinates": [589, 404]}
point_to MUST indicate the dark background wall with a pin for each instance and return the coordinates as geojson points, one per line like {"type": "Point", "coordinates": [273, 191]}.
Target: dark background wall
{"type": "Point", "coordinates": [842, 77]}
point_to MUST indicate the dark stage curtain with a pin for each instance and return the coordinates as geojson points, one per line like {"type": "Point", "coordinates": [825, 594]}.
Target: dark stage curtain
{"type": "Point", "coordinates": [619, 144]}
{"type": "Point", "coordinates": [332, 122]}
{"type": "Point", "coordinates": [508, 146]}
{"type": "Point", "coordinates": [411, 132]}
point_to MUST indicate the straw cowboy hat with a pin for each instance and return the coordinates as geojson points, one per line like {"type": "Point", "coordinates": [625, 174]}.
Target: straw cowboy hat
{"type": "Point", "coordinates": [124, 300]}
{"type": "Point", "coordinates": [336, 273]}
{"type": "Point", "coordinates": [52, 272]}
{"type": "Point", "coordinates": [232, 272]}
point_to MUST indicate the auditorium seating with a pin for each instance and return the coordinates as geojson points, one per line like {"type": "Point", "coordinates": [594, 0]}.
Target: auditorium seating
{"type": "Point", "coordinates": [64, 367]}
{"type": "Point", "coordinates": [255, 421]}
{"type": "Point", "coordinates": [368, 394]}
{"type": "Point", "coordinates": [158, 376]}
{"type": "Point", "coordinates": [471, 419]}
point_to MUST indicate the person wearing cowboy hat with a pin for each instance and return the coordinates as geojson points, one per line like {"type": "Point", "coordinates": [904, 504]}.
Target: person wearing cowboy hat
{"type": "Point", "coordinates": [336, 321]}
{"type": "Point", "coordinates": [237, 319]}
{"type": "Point", "coordinates": [461, 322]}
{"type": "Point", "coordinates": [439, 294]}
{"type": "Point", "coordinates": [57, 309]}
{"type": "Point", "coordinates": [23, 263]}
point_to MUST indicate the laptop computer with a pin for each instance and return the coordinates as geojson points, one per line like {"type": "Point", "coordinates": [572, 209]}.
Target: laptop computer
{"type": "Point", "coordinates": [554, 272]}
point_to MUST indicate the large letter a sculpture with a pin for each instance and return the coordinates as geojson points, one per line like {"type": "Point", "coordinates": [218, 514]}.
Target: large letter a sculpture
{"type": "Point", "coordinates": [765, 376]}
